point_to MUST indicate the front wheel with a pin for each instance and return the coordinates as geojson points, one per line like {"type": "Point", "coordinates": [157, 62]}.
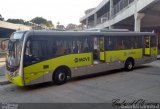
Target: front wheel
{"type": "Point", "coordinates": [60, 76]}
{"type": "Point", "coordinates": [129, 65]}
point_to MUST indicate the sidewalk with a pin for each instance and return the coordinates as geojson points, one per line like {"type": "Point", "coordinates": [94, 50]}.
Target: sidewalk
{"type": "Point", "coordinates": [2, 66]}
{"type": "Point", "coordinates": [156, 63]}
{"type": "Point", "coordinates": [3, 80]}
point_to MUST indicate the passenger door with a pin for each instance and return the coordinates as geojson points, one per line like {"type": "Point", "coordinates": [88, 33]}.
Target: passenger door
{"type": "Point", "coordinates": [102, 48]}
{"type": "Point", "coordinates": [147, 48]}
{"type": "Point", "coordinates": [99, 49]}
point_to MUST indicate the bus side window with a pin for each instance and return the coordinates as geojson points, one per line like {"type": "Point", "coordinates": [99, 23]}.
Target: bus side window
{"type": "Point", "coordinates": [28, 56]}
{"type": "Point", "coordinates": [37, 50]}
{"type": "Point", "coordinates": [54, 49]}
{"type": "Point", "coordinates": [60, 51]}
{"type": "Point", "coordinates": [153, 41]}
{"type": "Point", "coordinates": [76, 48]}
{"type": "Point", "coordinates": [110, 45]}
{"type": "Point", "coordinates": [120, 45]}
{"type": "Point", "coordinates": [85, 45]}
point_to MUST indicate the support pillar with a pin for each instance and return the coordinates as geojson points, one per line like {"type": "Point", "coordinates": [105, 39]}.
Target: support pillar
{"type": "Point", "coordinates": [95, 19]}
{"type": "Point", "coordinates": [82, 27]}
{"type": "Point", "coordinates": [138, 17]}
{"type": "Point", "coordinates": [86, 22]}
{"type": "Point", "coordinates": [111, 9]}
{"type": "Point", "coordinates": [111, 13]}
{"type": "Point", "coordinates": [110, 27]}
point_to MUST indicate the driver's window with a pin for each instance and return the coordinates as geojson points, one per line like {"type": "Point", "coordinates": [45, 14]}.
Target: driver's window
{"type": "Point", "coordinates": [39, 49]}
{"type": "Point", "coordinates": [36, 51]}
{"type": "Point", "coordinates": [28, 48]}
{"type": "Point", "coordinates": [28, 57]}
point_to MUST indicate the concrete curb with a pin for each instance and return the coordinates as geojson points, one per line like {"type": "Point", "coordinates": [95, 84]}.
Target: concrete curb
{"type": "Point", "coordinates": [4, 82]}
{"type": "Point", "coordinates": [158, 57]}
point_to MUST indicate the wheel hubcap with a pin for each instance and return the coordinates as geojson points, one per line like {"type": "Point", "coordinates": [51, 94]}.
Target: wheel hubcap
{"type": "Point", "coordinates": [61, 76]}
{"type": "Point", "coordinates": [130, 66]}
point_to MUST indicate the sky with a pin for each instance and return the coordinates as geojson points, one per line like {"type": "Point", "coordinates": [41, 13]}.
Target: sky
{"type": "Point", "coordinates": [63, 11]}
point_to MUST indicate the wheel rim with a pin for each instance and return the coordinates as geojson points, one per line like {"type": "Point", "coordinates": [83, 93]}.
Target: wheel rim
{"type": "Point", "coordinates": [61, 76]}
{"type": "Point", "coordinates": [130, 65]}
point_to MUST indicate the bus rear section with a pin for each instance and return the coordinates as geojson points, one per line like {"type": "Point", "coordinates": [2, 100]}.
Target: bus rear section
{"type": "Point", "coordinates": [127, 50]}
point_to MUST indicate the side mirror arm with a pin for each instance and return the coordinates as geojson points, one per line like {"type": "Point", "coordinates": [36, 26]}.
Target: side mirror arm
{"type": "Point", "coordinates": [2, 45]}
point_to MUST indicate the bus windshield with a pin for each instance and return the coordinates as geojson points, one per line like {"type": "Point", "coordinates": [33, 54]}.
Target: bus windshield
{"type": "Point", "coordinates": [14, 50]}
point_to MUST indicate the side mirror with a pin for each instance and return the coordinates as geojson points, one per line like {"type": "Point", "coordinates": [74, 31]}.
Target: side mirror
{"type": "Point", "coordinates": [3, 45]}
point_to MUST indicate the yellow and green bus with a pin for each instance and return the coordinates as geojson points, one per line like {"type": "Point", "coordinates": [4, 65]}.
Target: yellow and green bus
{"type": "Point", "coordinates": [38, 56]}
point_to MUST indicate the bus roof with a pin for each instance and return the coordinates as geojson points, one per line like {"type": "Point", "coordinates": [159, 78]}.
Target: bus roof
{"type": "Point", "coordinates": [85, 33]}
{"type": "Point", "coordinates": [108, 30]}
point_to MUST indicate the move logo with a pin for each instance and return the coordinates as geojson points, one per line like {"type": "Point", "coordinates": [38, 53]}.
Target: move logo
{"type": "Point", "coordinates": [84, 59]}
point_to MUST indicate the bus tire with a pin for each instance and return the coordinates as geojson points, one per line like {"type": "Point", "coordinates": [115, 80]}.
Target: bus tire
{"type": "Point", "coordinates": [129, 64]}
{"type": "Point", "coordinates": [60, 76]}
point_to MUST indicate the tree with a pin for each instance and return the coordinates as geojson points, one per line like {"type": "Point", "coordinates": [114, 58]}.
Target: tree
{"type": "Point", "coordinates": [71, 26]}
{"type": "Point", "coordinates": [49, 24]}
{"type": "Point", "coordinates": [39, 20]}
{"type": "Point", "coordinates": [1, 18]}
{"type": "Point", "coordinates": [28, 23]}
{"type": "Point", "coordinates": [42, 21]}
{"type": "Point", "coordinates": [16, 21]}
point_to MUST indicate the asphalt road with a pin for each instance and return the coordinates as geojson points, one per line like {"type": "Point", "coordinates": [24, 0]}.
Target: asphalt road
{"type": "Point", "coordinates": [2, 65]}
{"type": "Point", "coordinates": [141, 83]}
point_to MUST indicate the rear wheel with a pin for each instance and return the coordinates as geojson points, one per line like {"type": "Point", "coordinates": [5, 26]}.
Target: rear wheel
{"type": "Point", "coordinates": [129, 65]}
{"type": "Point", "coordinates": [60, 76]}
